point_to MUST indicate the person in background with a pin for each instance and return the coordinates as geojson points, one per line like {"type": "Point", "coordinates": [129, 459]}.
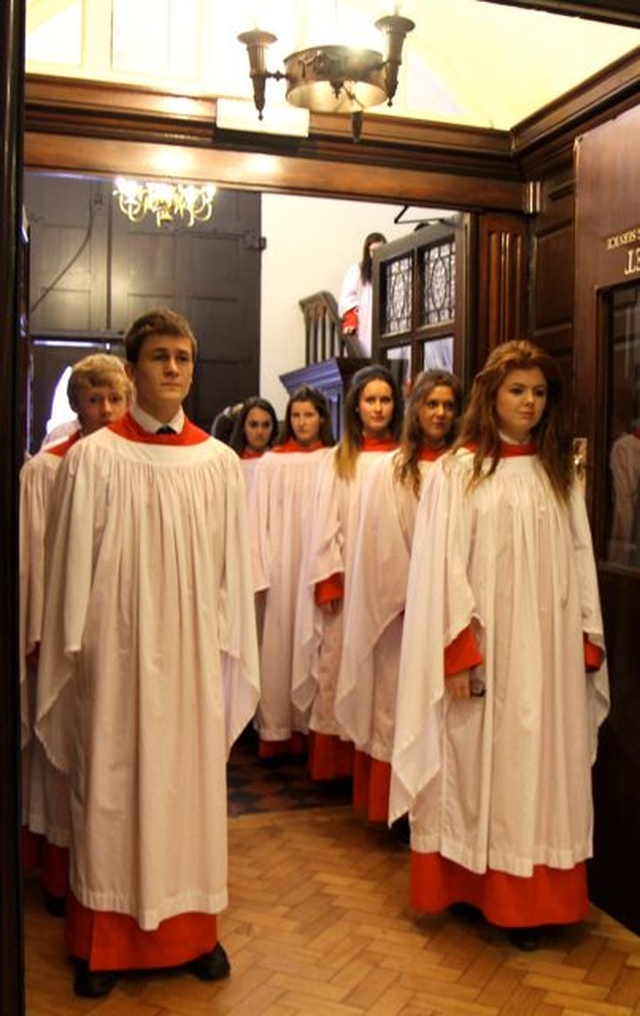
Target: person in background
{"type": "Point", "coordinates": [355, 302]}
{"type": "Point", "coordinates": [503, 682]}
{"type": "Point", "coordinates": [148, 670]}
{"type": "Point", "coordinates": [98, 391]}
{"type": "Point", "coordinates": [222, 426]}
{"type": "Point", "coordinates": [366, 691]}
{"type": "Point", "coordinates": [280, 508]}
{"type": "Point", "coordinates": [372, 421]}
{"type": "Point", "coordinates": [255, 430]}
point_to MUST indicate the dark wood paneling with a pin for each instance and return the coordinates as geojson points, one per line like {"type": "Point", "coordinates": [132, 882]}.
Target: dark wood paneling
{"type": "Point", "coordinates": [502, 282]}
{"type": "Point", "coordinates": [93, 272]}
{"type": "Point", "coordinates": [618, 12]}
{"type": "Point", "coordinates": [551, 285]}
{"type": "Point", "coordinates": [608, 256]}
{"type": "Point", "coordinates": [12, 385]}
{"type": "Point", "coordinates": [544, 141]}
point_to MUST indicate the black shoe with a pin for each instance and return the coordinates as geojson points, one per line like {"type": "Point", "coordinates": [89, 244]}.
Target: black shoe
{"type": "Point", "coordinates": [526, 939]}
{"type": "Point", "coordinates": [401, 831]}
{"type": "Point", "coordinates": [213, 966]}
{"type": "Point", "coordinates": [466, 912]}
{"type": "Point", "coordinates": [55, 905]}
{"type": "Point", "coordinates": [93, 983]}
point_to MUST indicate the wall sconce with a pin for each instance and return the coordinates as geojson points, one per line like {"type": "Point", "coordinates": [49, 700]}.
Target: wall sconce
{"type": "Point", "coordinates": [333, 79]}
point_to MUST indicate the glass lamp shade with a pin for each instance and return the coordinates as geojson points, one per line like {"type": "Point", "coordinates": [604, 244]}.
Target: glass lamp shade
{"type": "Point", "coordinates": [335, 79]}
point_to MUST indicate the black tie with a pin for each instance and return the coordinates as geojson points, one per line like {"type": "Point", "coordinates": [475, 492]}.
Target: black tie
{"type": "Point", "coordinates": [165, 430]}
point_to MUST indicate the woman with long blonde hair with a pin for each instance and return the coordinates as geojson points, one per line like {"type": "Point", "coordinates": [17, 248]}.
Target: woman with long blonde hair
{"type": "Point", "coordinates": [371, 424]}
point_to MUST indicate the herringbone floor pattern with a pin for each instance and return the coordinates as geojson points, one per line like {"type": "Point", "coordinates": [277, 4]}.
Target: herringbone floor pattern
{"type": "Point", "coordinates": [318, 926]}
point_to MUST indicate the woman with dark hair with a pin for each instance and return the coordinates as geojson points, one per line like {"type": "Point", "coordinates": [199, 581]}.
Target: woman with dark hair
{"type": "Point", "coordinates": [254, 431]}
{"type": "Point", "coordinates": [502, 678]}
{"type": "Point", "coordinates": [354, 305]}
{"type": "Point", "coordinates": [372, 420]}
{"type": "Point", "coordinates": [279, 508]}
{"type": "Point", "coordinates": [366, 692]}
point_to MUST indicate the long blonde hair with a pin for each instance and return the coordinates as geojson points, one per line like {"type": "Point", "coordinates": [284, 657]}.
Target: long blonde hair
{"type": "Point", "coordinates": [479, 425]}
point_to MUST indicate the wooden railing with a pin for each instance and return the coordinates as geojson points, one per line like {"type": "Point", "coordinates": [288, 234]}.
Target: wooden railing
{"type": "Point", "coordinates": [323, 330]}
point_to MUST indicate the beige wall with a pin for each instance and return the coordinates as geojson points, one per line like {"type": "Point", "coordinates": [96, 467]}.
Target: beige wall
{"type": "Point", "coordinates": [310, 244]}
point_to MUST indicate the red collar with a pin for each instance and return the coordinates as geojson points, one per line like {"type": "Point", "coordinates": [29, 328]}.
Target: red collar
{"type": "Point", "coordinates": [378, 444]}
{"type": "Point", "coordinates": [131, 430]}
{"type": "Point", "coordinates": [510, 451]}
{"type": "Point", "coordinates": [428, 454]}
{"type": "Point", "coordinates": [63, 447]}
{"type": "Point", "coordinates": [293, 446]}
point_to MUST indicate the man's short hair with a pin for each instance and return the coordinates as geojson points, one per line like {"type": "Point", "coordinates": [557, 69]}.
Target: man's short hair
{"type": "Point", "coordinates": [96, 371]}
{"type": "Point", "coordinates": [161, 321]}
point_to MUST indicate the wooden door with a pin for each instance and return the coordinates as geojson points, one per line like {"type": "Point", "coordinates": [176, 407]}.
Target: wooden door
{"type": "Point", "coordinates": [211, 274]}
{"type": "Point", "coordinates": [93, 271]}
{"type": "Point", "coordinates": [607, 401]}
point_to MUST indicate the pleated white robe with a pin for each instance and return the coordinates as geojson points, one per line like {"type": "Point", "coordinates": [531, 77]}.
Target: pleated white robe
{"type": "Point", "coordinates": [330, 551]}
{"type": "Point", "coordinates": [367, 683]}
{"type": "Point", "coordinates": [281, 507]}
{"type": "Point", "coordinates": [45, 792]}
{"type": "Point", "coordinates": [148, 670]}
{"type": "Point", "coordinates": [500, 782]}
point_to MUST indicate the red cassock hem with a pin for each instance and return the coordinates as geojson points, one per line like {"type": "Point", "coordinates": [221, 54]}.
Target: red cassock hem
{"type": "Point", "coordinates": [549, 896]}
{"type": "Point", "coordinates": [294, 745]}
{"type": "Point", "coordinates": [52, 862]}
{"type": "Point", "coordinates": [329, 757]}
{"type": "Point", "coordinates": [55, 870]}
{"type": "Point", "coordinates": [371, 782]}
{"type": "Point", "coordinates": [110, 941]}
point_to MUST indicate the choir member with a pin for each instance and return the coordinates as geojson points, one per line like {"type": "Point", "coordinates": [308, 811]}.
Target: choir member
{"type": "Point", "coordinates": [148, 670]}
{"type": "Point", "coordinates": [255, 430]}
{"type": "Point", "coordinates": [280, 507]}
{"type": "Point", "coordinates": [98, 391]}
{"type": "Point", "coordinates": [502, 681]}
{"type": "Point", "coordinates": [372, 421]}
{"type": "Point", "coordinates": [366, 691]}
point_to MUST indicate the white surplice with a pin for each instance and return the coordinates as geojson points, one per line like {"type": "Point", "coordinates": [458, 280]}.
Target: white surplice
{"type": "Point", "coordinates": [357, 294]}
{"type": "Point", "coordinates": [148, 669]}
{"type": "Point", "coordinates": [330, 551]}
{"type": "Point", "coordinates": [45, 792]}
{"type": "Point", "coordinates": [367, 684]}
{"type": "Point", "coordinates": [281, 507]}
{"type": "Point", "coordinates": [502, 781]}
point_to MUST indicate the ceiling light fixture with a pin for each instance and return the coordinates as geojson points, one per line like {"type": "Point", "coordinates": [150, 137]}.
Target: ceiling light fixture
{"type": "Point", "coordinates": [192, 202]}
{"type": "Point", "coordinates": [333, 79]}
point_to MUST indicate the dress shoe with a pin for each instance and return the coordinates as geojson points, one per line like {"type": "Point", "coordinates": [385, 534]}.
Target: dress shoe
{"type": "Point", "coordinates": [526, 939]}
{"type": "Point", "coordinates": [212, 966]}
{"type": "Point", "coordinates": [466, 912]}
{"type": "Point", "coordinates": [93, 983]}
{"type": "Point", "coordinates": [55, 905]}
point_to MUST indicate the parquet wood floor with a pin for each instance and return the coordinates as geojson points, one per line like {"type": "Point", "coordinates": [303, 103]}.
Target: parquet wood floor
{"type": "Point", "coordinates": [318, 925]}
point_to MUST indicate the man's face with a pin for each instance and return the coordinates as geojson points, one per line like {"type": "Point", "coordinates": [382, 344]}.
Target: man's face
{"type": "Point", "coordinates": [162, 374]}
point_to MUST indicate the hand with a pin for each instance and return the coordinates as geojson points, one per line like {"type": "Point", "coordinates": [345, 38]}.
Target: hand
{"type": "Point", "coordinates": [459, 685]}
{"type": "Point", "coordinates": [331, 607]}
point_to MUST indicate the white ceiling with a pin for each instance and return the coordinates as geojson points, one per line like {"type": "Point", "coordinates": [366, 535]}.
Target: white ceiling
{"type": "Point", "coordinates": [467, 61]}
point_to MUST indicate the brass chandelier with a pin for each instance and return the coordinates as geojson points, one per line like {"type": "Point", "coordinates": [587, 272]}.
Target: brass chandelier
{"type": "Point", "coordinates": [166, 201]}
{"type": "Point", "coordinates": [333, 79]}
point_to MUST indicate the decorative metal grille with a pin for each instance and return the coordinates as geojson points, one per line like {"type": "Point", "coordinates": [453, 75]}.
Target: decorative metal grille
{"type": "Point", "coordinates": [438, 264]}
{"type": "Point", "coordinates": [397, 312]}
